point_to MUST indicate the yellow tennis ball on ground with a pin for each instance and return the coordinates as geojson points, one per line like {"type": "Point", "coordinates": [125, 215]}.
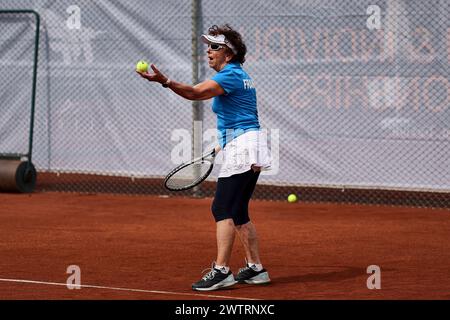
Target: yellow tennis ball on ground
{"type": "Point", "coordinates": [292, 198]}
{"type": "Point", "coordinates": [142, 66]}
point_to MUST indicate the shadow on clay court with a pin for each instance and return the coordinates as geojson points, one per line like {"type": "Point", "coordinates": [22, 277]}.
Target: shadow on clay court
{"type": "Point", "coordinates": [345, 274]}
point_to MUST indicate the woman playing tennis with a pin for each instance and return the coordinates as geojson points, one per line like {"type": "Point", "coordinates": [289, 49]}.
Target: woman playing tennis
{"type": "Point", "coordinates": [245, 153]}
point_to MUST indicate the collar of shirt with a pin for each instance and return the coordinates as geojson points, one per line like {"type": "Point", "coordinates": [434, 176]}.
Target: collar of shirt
{"type": "Point", "coordinates": [230, 65]}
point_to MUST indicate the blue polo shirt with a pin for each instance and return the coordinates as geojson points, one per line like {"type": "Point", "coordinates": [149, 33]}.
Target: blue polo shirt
{"type": "Point", "coordinates": [236, 110]}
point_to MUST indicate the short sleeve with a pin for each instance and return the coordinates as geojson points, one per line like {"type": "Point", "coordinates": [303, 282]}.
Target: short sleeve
{"type": "Point", "coordinates": [228, 80]}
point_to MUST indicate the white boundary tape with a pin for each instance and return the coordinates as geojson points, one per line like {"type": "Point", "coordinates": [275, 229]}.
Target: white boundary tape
{"type": "Point", "coordinates": [124, 289]}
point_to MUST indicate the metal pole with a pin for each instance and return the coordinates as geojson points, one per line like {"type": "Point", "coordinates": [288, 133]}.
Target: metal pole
{"type": "Point", "coordinates": [30, 172]}
{"type": "Point", "coordinates": [33, 96]}
{"type": "Point", "coordinates": [197, 108]}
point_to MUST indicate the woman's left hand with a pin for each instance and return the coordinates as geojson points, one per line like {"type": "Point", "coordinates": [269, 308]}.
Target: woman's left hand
{"type": "Point", "coordinates": [156, 76]}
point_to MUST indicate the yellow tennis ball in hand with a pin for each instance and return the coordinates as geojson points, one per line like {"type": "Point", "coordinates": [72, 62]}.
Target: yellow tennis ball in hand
{"type": "Point", "coordinates": [142, 66]}
{"type": "Point", "coordinates": [292, 198]}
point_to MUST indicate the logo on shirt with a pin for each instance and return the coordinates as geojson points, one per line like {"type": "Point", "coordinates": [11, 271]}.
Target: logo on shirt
{"type": "Point", "coordinates": [248, 84]}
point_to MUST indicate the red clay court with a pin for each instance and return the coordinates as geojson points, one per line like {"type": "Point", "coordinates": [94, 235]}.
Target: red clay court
{"type": "Point", "coordinates": [149, 247]}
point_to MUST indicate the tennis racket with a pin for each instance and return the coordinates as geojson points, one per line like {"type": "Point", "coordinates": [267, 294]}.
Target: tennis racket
{"type": "Point", "coordinates": [191, 174]}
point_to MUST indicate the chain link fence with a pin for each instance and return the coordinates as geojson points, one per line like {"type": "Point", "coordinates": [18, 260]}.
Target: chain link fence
{"type": "Point", "coordinates": [353, 95]}
{"type": "Point", "coordinates": [17, 68]}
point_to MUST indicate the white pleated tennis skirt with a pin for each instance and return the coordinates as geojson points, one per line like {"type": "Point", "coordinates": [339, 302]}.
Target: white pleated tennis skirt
{"type": "Point", "coordinates": [244, 151]}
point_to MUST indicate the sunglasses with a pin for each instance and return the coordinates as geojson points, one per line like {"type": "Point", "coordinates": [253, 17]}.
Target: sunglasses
{"type": "Point", "coordinates": [215, 46]}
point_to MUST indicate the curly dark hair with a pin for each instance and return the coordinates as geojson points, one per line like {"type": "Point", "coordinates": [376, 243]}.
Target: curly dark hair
{"type": "Point", "coordinates": [232, 36]}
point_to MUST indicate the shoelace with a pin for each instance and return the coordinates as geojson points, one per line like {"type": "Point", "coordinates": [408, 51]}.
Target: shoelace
{"type": "Point", "coordinates": [210, 274]}
{"type": "Point", "coordinates": [244, 269]}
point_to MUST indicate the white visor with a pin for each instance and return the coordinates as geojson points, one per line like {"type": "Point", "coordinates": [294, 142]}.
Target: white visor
{"type": "Point", "coordinates": [219, 39]}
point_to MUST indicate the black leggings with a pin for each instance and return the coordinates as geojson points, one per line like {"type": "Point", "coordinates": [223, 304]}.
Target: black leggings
{"type": "Point", "coordinates": [232, 197]}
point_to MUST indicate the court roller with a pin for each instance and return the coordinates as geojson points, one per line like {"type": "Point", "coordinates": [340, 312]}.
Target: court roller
{"type": "Point", "coordinates": [17, 176]}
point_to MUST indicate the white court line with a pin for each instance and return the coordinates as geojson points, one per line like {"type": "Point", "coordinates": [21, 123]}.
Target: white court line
{"type": "Point", "coordinates": [126, 289]}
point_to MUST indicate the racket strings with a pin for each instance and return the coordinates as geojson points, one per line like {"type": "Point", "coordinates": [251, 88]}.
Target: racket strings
{"type": "Point", "coordinates": [189, 175]}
